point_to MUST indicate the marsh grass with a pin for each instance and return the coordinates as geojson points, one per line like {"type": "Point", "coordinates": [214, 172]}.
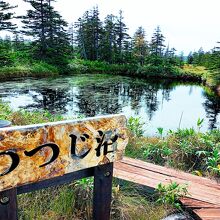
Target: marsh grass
{"type": "Point", "coordinates": [61, 202]}
{"type": "Point", "coordinates": [23, 117]}
{"type": "Point", "coordinates": [74, 201]}
{"type": "Point", "coordinates": [197, 71]}
{"type": "Point", "coordinates": [37, 69]}
{"type": "Point", "coordinates": [77, 66]}
{"type": "Point", "coordinates": [184, 149]}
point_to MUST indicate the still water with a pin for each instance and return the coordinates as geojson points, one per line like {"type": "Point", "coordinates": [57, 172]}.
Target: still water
{"type": "Point", "coordinates": [163, 104]}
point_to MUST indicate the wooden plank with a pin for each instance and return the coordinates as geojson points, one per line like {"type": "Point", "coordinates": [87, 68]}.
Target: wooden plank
{"type": "Point", "coordinates": [34, 153]}
{"type": "Point", "coordinates": [163, 178]}
{"type": "Point", "coordinates": [171, 172]}
{"type": "Point", "coordinates": [152, 179]}
{"type": "Point", "coordinates": [130, 176]}
{"type": "Point", "coordinates": [196, 204]}
{"type": "Point", "coordinates": [102, 191]}
{"type": "Point", "coordinates": [8, 205]}
{"type": "Point", "coordinates": [204, 193]}
{"type": "Point", "coordinates": [208, 213]}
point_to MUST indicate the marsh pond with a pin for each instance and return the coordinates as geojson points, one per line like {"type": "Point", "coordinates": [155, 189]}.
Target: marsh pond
{"type": "Point", "coordinates": [159, 103]}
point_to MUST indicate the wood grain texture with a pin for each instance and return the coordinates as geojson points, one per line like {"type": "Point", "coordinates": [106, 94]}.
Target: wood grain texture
{"type": "Point", "coordinates": [203, 197]}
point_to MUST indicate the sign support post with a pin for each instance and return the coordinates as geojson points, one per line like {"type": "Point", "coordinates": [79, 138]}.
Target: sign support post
{"type": "Point", "coordinates": [8, 204]}
{"type": "Point", "coordinates": [102, 191]}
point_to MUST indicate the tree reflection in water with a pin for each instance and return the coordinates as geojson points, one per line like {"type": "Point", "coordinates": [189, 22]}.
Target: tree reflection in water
{"type": "Point", "coordinates": [212, 108]}
{"type": "Point", "coordinates": [90, 95]}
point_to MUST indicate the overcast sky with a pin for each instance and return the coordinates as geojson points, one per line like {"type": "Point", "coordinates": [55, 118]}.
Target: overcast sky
{"type": "Point", "coordinates": [186, 24]}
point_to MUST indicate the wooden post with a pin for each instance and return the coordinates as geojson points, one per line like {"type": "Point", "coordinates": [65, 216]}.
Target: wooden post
{"type": "Point", "coordinates": [8, 205]}
{"type": "Point", "coordinates": [102, 191]}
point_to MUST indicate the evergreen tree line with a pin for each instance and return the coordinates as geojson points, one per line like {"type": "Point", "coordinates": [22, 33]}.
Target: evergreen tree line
{"type": "Point", "coordinates": [55, 42]}
{"type": "Point", "coordinates": [210, 59]}
{"type": "Point", "coordinates": [109, 41]}
{"type": "Point", "coordinates": [89, 38]}
{"type": "Point", "coordinates": [49, 39]}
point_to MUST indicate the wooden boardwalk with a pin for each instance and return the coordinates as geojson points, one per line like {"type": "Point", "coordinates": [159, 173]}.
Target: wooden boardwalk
{"type": "Point", "coordinates": [203, 198]}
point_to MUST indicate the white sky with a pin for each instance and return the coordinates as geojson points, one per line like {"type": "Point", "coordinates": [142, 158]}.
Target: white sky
{"type": "Point", "coordinates": [187, 24]}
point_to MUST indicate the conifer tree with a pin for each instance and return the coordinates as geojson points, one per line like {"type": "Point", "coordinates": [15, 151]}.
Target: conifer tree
{"type": "Point", "coordinates": [6, 51]}
{"type": "Point", "coordinates": [190, 58]}
{"type": "Point", "coordinates": [88, 35]}
{"type": "Point", "coordinates": [5, 16]}
{"type": "Point", "coordinates": [140, 46]}
{"type": "Point", "coordinates": [46, 26]}
{"type": "Point", "coordinates": [108, 40]}
{"type": "Point", "coordinates": [122, 36]}
{"type": "Point", "coordinates": [71, 38]}
{"type": "Point", "coordinates": [157, 43]}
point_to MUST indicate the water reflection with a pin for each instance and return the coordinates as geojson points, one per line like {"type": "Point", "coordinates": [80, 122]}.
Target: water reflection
{"type": "Point", "coordinates": [159, 103]}
{"type": "Point", "coordinates": [50, 99]}
{"type": "Point", "coordinates": [212, 108]}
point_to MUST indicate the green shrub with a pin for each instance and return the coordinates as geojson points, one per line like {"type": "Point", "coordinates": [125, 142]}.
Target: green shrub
{"type": "Point", "coordinates": [42, 68]}
{"type": "Point", "coordinates": [170, 194]}
{"type": "Point", "coordinates": [135, 126]}
{"type": "Point", "coordinates": [23, 117]}
{"type": "Point", "coordinates": [37, 69]}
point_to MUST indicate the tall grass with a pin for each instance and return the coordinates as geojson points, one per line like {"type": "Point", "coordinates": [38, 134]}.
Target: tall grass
{"type": "Point", "coordinates": [187, 72]}
{"type": "Point", "coordinates": [186, 149]}
{"type": "Point", "coordinates": [37, 69]}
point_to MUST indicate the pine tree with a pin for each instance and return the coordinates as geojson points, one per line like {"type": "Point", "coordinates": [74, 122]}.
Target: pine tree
{"type": "Point", "coordinates": [169, 56]}
{"type": "Point", "coordinates": [36, 26]}
{"type": "Point", "coordinates": [128, 52]}
{"type": "Point", "coordinates": [71, 38]}
{"type": "Point", "coordinates": [97, 31]}
{"type": "Point", "coordinates": [199, 56]}
{"type": "Point", "coordinates": [6, 51]}
{"type": "Point", "coordinates": [157, 43]}
{"type": "Point", "coordinates": [88, 35]}
{"type": "Point", "coordinates": [57, 39]}
{"type": "Point", "coordinates": [5, 16]}
{"type": "Point", "coordinates": [181, 59]}
{"type": "Point", "coordinates": [21, 48]}
{"type": "Point", "coordinates": [215, 59]}
{"type": "Point", "coordinates": [122, 36]}
{"type": "Point", "coordinates": [140, 47]}
{"type": "Point", "coordinates": [190, 58]}
{"type": "Point", "coordinates": [46, 26]}
{"type": "Point", "coordinates": [108, 40]}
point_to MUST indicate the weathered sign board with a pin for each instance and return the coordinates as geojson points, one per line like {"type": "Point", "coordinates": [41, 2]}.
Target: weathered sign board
{"type": "Point", "coordinates": [33, 153]}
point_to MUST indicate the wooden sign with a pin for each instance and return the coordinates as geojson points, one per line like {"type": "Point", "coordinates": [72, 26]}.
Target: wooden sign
{"type": "Point", "coordinates": [33, 153]}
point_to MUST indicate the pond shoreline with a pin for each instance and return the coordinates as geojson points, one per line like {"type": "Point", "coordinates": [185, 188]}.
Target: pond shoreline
{"type": "Point", "coordinates": [187, 73]}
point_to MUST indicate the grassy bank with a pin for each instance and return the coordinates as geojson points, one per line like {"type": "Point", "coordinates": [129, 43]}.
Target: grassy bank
{"type": "Point", "coordinates": [184, 73]}
{"type": "Point", "coordinates": [40, 69]}
{"type": "Point", "coordinates": [77, 66]}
